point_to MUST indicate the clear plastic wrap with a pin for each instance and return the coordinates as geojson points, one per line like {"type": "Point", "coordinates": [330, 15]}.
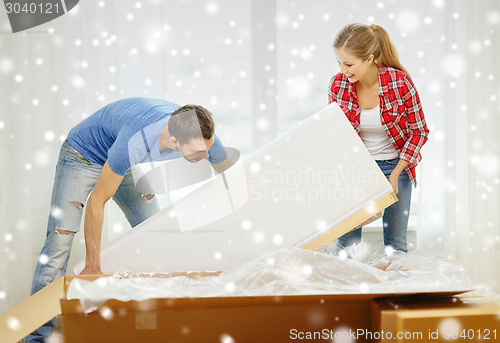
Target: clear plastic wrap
{"type": "Point", "coordinates": [358, 269]}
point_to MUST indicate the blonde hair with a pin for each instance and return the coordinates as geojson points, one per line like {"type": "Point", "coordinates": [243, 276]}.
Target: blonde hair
{"type": "Point", "coordinates": [364, 40]}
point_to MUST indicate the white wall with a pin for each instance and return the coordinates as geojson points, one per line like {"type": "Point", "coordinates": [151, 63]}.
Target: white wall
{"type": "Point", "coordinates": [257, 83]}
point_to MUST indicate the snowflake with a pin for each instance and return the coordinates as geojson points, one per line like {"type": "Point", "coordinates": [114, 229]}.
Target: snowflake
{"type": "Point", "coordinates": [343, 335]}
{"type": "Point", "coordinates": [298, 87]}
{"type": "Point", "coordinates": [117, 227]}
{"type": "Point", "coordinates": [78, 82]}
{"type": "Point", "coordinates": [106, 313]}
{"type": "Point", "coordinates": [408, 21]}
{"type": "Point", "coordinates": [230, 287]}
{"type": "Point", "coordinates": [44, 259]}
{"type": "Point", "coordinates": [454, 65]}
{"type": "Point", "coordinates": [282, 20]}
{"type": "Point", "coordinates": [262, 124]}
{"type": "Point", "coordinates": [8, 237]}
{"type": "Point", "coordinates": [6, 65]}
{"type": "Point", "coordinates": [449, 325]}
{"type": "Point", "coordinates": [258, 237]}
{"type": "Point", "coordinates": [493, 18]}
{"type": "Point", "coordinates": [212, 8]}
{"type": "Point", "coordinates": [14, 323]}
{"type": "Point", "coordinates": [225, 338]}
{"type": "Point", "coordinates": [278, 239]}
{"type": "Point", "coordinates": [307, 270]}
{"type": "Point", "coordinates": [49, 136]}
{"type": "Point", "coordinates": [435, 87]}
{"type": "Point", "coordinates": [364, 287]}
{"type": "Point", "coordinates": [246, 224]}
{"type": "Point", "coordinates": [57, 213]}
{"type": "Point", "coordinates": [439, 3]}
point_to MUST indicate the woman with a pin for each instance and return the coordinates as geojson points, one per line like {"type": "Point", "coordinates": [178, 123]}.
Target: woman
{"type": "Point", "coordinates": [378, 97]}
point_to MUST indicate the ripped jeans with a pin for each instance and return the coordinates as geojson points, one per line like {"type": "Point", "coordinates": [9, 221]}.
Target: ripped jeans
{"type": "Point", "coordinates": [75, 178]}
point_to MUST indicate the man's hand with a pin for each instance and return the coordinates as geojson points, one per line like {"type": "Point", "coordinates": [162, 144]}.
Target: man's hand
{"type": "Point", "coordinates": [91, 270]}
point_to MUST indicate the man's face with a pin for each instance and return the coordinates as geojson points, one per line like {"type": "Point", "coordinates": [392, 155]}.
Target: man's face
{"type": "Point", "coordinates": [196, 149]}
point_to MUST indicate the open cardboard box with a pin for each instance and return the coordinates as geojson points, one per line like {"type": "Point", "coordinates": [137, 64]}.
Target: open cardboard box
{"type": "Point", "coordinates": [159, 246]}
{"type": "Point", "coordinates": [214, 319]}
{"type": "Point", "coordinates": [462, 319]}
{"type": "Point", "coordinates": [246, 319]}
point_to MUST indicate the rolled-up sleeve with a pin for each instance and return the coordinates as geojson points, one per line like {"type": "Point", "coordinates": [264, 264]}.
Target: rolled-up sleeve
{"type": "Point", "coordinates": [418, 131]}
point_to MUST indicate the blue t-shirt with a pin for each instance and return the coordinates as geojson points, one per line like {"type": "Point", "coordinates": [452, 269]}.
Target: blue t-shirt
{"type": "Point", "coordinates": [127, 132]}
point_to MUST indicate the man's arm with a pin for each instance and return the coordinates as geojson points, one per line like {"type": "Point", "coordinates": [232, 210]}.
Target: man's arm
{"type": "Point", "coordinates": [220, 167]}
{"type": "Point", "coordinates": [105, 187]}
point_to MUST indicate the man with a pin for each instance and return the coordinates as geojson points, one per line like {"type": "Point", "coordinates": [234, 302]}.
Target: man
{"type": "Point", "coordinates": [97, 158]}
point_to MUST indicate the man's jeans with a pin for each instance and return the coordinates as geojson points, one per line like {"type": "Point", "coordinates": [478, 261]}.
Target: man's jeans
{"type": "Point", "coordinates": [75, 177]}
{"type": "Point", "coordinates": [395, 218]}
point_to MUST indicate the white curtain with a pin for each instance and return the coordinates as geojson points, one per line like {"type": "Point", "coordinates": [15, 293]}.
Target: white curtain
{"type": "Point", "coordinates": [54, 75]}
{"type": "Point", "coordinates": [471, 167]}
{"type": "Point", "coordinates": [460, 175]}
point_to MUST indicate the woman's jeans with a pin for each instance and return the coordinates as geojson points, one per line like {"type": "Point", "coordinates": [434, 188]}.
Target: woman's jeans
{"type": "Point", "coordinates": [75, 178]}
{"type": "Point", "coordinates": [395, 218]}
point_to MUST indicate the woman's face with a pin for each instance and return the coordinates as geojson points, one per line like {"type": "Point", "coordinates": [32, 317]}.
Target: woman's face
{"type": "Point", "coordinates": [351, 66]}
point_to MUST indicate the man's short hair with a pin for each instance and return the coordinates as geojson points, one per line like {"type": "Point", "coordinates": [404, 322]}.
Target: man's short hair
{"type": "Point", "coordinates": [191, 121]}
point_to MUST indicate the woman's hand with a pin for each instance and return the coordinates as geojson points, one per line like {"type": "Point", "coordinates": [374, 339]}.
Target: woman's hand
{"type": "Point", "coordinates": [393, 180]}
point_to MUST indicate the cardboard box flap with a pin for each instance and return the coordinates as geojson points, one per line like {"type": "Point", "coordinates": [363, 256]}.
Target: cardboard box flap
{"type": "Point", "coordinates": [32, 313]}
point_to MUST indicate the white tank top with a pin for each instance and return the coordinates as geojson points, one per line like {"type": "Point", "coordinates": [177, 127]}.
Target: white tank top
{"type": "Point", "coordinates": [374, 136]}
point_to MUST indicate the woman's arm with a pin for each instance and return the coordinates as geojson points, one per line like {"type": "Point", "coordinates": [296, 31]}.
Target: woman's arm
{"type": "Point", "coordinates": [393, 178]}
{"type": "Point", "coordinates": [416, 121]}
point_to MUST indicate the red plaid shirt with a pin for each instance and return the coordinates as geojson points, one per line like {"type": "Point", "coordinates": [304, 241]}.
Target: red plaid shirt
{"type": "Point", "coordinates": [401, 113]}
